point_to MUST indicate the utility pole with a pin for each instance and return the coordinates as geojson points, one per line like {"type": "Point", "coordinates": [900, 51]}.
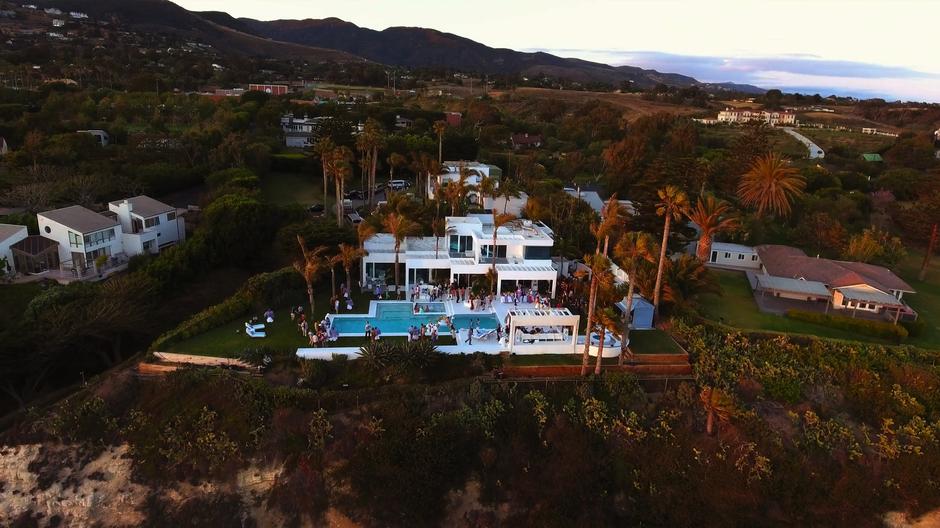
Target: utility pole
{"type": "Point", "coordinates": [930, 248]}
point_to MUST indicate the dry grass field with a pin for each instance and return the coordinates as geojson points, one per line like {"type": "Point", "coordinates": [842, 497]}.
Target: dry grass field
{"type": "Point", "coordinates": [633, 105]}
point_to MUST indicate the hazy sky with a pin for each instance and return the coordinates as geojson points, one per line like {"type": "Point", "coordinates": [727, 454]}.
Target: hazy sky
{"type": "Point", "coordinates": [887, 47]}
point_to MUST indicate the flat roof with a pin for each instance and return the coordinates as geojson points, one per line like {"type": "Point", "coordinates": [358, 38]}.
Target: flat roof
{"type": "Point", "coordinates": [8, 230]}
{"type": "Point", "coordinates": [784, 284]}
{"type": "Point", "coordinates": [853, 293]}
{"type": "Point", "coordinates": [78, 218]}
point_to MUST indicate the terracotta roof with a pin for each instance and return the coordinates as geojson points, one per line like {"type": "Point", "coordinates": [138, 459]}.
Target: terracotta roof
{"type": "Point", "coordinates": [790, 262]}
{"type": "Point", "coordinates": [526, 139]}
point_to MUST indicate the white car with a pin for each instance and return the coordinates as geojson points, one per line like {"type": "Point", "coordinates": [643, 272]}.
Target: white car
{"type": "Point", "coordinates": [397, 185]}
{"type": "Point", "coordinates": [354, 218]}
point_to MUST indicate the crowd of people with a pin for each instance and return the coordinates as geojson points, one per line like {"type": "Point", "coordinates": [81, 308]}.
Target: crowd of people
{"type": "Point", "coordinates": [318, 334]}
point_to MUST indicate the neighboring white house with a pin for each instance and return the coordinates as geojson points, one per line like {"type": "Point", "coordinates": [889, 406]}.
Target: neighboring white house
{"type": "Point", "coordinates": [734, 256]}
{"type": "Point", "coordinates": [301, 132]}
{"type": "Point", "coordinates": [465, 254]}
{"type": "Point", "coordinates": [514, 206]}
{"type": "Point", "coordinates": [744, 115]}
{"type": "Point", "coordinates": [82, 236]}
{"type": "Point", "coordinates": [148, 225]}
{"type": "Point", "coordinates": [476, 171]}
{"type": "Point", "coordinates": [101, 136]}
{"type": "Point", "coordinates": [9, 234]}
{"type": "Point", "coordinates": [130, 227]}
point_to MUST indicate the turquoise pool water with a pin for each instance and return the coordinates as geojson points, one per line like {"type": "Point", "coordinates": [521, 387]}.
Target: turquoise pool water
{"type": "Point", "coordinates": [396, 318]}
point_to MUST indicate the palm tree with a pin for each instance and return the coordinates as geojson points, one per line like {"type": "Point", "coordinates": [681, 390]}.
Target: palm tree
{"type": "Point", "coordinates": [771, 185]}
{"type": "Point", "coordinates": [686, 279]}
{"type": "Point", "coordinates": [399, 227]}
{"type": "Point", "coordinates": [338, 168]}
{"type": "Point", "coordinates": [507, 190]}
{"type": "Point", "coordinates": [718, 404]}
{"type": "Point", "coordinates": [610, 217]}
{"type": "Point", "coordinates": [310, 266]}
{"type": "Point", "coordinates": [456, 191]}
{"type": "Point", "coordinates": [395, 160]}
{"type": "Point", "coordinates": [499, 220]}
{"type": "Point", "coordinates": [437, 227]}
{"type": "Point", "coordinates": [364, 231]}
{"type": "Point", "coordinates": [487, 187]}
{"type": "Point", "coordinates": [600, 274]}
{"type": "Point", "coordinates": [368, 143]}
{"type": "Point", "coordinates": [439, 128]}
{"type": "Point", "coordinates": [347, 257]}
{"type": "Point", "coordinates": [633, 249]}
{"type": "Point", "coordinates": [324, 148]}
{"type": "Point", "coordinates": [605, 320]}
{"type": "Point", "coordinates": [713, 216]}
{"type": "Point", "coordinates": [424, 165]}
{"type": "Point", "coordinates": [673, 203]}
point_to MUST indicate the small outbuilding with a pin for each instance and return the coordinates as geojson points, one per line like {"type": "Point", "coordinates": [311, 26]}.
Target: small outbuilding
{"type": "Point", "coordinates": [642, 312]}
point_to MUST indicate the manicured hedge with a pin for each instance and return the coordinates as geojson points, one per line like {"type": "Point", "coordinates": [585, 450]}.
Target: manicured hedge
{"type": "Point", "coordinates": [276, 288]}
{"type": "Point", "coordinates": [882, 329]}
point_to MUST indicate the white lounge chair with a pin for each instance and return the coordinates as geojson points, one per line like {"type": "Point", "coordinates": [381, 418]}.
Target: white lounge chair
{"type": "Point", "coordinates": [482, 334]}
{"type": "Point", "coordinates": [251, 332]}
{"type": "Point", "coordinates": [254, 327]}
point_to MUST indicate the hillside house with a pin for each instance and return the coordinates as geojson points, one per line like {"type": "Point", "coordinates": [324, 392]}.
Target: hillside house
{"type": "Point", "coordinates": [101, 137]}
{"type": "Point", "coordinates": [525, 141]}
{"type": "Point", "coordinates": [148, 225]}
{"type": "Point", "coordinates": [852, 287]}
{"type": "Point", "coordinates": [453, 119]}
{"type": "Point", "coordinates": [745, 115]}
{"type": "Point", "coordinates": [273, 89]}
{"type": "Point", "coordinates": [730, 256]}
{"type": "Point", "coordinates": [475, 170]}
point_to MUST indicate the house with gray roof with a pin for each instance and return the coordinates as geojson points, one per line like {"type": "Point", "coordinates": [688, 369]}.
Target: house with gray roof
{"type": "Point", "coordinates": [82, 236]}
{"type": "Point", "coordinates": [148, 225]}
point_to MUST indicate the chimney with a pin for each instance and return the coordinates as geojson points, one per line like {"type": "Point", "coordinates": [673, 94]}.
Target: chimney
{"type": "Point", "coordinates": [128, 205]}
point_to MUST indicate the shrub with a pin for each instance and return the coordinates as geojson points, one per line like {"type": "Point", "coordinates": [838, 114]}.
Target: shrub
{"type": "Point", "coordinates": [882, 329]}
{"type": "Point", "coordinates": [914, 328]}
{"type": "Point", "coordinates": [267, 289]}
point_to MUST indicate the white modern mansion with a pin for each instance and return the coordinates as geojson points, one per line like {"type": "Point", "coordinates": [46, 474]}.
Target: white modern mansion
{"type": "Point", "coordinates": [465, 254]}
{"type": "Point", "coordinates": [80, 242]}
{"type": "Point", "coordinates": [475, 170]}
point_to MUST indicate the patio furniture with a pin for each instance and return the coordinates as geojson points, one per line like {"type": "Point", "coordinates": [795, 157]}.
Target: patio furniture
{"type": "Point", "coordinates": [251, 332]}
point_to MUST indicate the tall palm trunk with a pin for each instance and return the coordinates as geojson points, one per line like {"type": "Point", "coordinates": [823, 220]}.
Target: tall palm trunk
{"type": "Point", "coordinates": [397, 282]}
{"type": "Point", "coordinates": [592, 298]}
{"type": "Point", "coordinates": [375, 159]}
{"type": "Point", "coordinates": [349, 279]}
{"type": "Point", "coordinates": [704, 247]}
{"type": "Point", "coordinates": [332, 279]}
{"type": "Point", "coordinates": [495, 277]}
{"type": "Point", "coordinates": [310, 298]}
{"type": "Point", "coordinates": [325, 183]}
{"type": "Point", "coordinates": [659, 271]}
{"type": "Point", "coordinates": [339, 201]}
{"type": "Point", "coordinates": [627, 319]}
{"type": "Point", "coordinates": [600, 350]}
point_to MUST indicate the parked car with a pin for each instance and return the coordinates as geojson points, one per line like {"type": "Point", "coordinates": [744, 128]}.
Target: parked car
{"type": "Point", "coordinates": [348, 206]}
{"type": "Point", "coordinates": [316, 209]}
{"type": "Point", "coordinates": [354, 218]}
{"type": "Point", "coordinates": [379, 187]}
{"type": "Point", "coordinates": [353, 195]}
{"type": "Point", "coordinates": [397, 185]}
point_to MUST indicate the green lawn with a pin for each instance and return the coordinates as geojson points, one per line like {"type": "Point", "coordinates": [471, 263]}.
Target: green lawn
{"type": "Point", "coordinates": [653, 342]}
{"type": "Point", "coordinates": [288, 188]}
{"type": "Point", "coordinates": [15, 299]}
{"type": "Point", "coordinates": [927, 299]}
{"type": "Point", "coordinates": [736, 307]}
{"type": "Point", "coordinates": [853, 141]}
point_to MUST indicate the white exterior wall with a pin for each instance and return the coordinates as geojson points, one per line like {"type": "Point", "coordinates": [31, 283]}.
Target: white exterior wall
{"type": "Point", "coordinates": [60, 234]}
{"type": "Point", "coordinates": [167, 232]}
{"type": "Point", "coordinates": [5, 246]}
{"type": "Point", "coordinates": [732, 256]}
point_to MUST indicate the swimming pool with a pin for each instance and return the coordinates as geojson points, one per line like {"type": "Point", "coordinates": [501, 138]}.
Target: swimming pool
{"type": "Point", "coordinates": [396, 317]}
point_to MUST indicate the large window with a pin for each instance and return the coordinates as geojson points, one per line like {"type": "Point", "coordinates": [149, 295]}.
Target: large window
{"type": "Point", "coordinates": [100, 237]}
{"type": "Point", "coordinates": [150, 222]}
{"type": "Point", "coordinates": [460, 244]}
{"type": "Point", "coordinates": [537, 252]}
{"type": "Point", "coordinates": [487, 251]}
{"type": "Point", "coordinates": [75, 240]}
